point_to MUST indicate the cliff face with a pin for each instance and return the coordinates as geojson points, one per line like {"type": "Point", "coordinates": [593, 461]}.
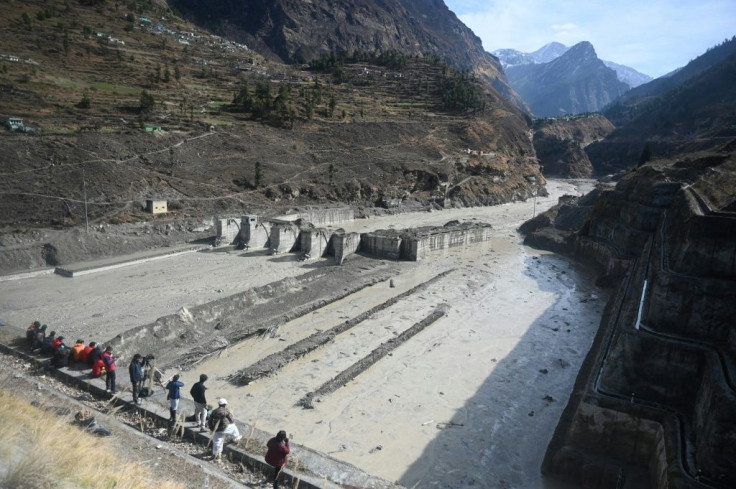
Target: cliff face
{"type": "Point", "coordinates": [560, 144]}
{"type": "Point", "coordinates": [573, 83]}
{"type": "Point", "coordinates": [294, 31]}
{"type": "Point", "coordinates": [655, 402]}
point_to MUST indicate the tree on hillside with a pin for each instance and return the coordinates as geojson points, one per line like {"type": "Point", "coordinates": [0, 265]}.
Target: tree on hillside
{"type": "Point", "coordinates": [258, 175]}
{"type": "Point", "coordinates": [646, 154]}
{"type": "Point", "coordinates": [147, 102]}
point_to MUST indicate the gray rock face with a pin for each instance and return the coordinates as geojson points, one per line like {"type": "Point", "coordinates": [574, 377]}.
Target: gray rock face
{"type": "Point", "coordinates": [574, 83]}
{"type": "Point", "coordinates": [655, 400]}
{"type": "Point", "coordinates": [295, 31]}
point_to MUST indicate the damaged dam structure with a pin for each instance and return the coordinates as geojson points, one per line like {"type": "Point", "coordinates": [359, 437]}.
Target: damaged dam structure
{"type": "Point", "coordinates": [284, 234]}
{"type": "Point", "coordinates": [654, 405]}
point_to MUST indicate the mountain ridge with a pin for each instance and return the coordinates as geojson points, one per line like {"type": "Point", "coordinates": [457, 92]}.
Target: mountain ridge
{"type": "Point", "coordinates": [575, 82]}
{"type": "Point", "coordinates": [553, 50]}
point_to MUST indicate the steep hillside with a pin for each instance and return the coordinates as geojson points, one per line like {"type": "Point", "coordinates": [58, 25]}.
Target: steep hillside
{"type": "Point", "coordinates": [294, 31]}
{"type": "Point", "coordinates": [659, 371]}
{"type": "Point", "coordinates": [560, 143]}
{"type": "Point", "coordinates": [127, 108]}
{"type": "Point", "coordinates": [634, 102]}
{"type": "Point", "coordinates": [573, 83]}
{"type": "Point", "coordinates": [697, 114]}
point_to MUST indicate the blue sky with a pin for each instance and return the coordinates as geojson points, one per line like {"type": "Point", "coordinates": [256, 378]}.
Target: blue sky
{"type": "Point", "coordinates": [652, 36]}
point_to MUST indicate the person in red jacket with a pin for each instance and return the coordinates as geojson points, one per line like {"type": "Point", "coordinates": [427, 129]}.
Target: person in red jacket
{"type": "Point", "coordinates": [56, 343]}
{"type": "Point", "coordinates": [84, 354]}
{"type": "Point", "coordinates": [109, 361]}
{"type": "Point", "coordinates": [277, 455]}
{"type": "Point", "coordinates": [98, 368]}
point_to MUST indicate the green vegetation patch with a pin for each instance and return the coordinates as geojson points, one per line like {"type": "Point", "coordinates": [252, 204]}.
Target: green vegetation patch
{"type": "Point", "coordinates": [109, 87]}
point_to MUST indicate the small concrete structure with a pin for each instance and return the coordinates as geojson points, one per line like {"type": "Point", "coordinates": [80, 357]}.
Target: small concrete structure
{"type": "Point", "coordinates": [228, 231]}
{"type": "Point", "coordinates": [314, 241]}
{"type": "Point", "coordinates": [254, 232]}
{"type": "Point", "coordinates": [383, 243]}
{"type": "Point", "coordinates": [344, 244]}
{"type": "Point", "coordinates": [283, 237]}
{"type": "Point", "coordinates": [156, 206]}
{"type": "Point", "coordinates": [414, 248]}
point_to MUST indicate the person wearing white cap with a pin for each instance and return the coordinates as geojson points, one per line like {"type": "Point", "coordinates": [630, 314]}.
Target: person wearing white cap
{"type": "Point", "coordinates": [221, 422]}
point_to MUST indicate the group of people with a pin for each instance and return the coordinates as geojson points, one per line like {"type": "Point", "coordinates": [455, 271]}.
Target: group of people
{"type": "Point", "coordinates": [102, 362]}
{"type": "Point", "coordinates": [220, 422]}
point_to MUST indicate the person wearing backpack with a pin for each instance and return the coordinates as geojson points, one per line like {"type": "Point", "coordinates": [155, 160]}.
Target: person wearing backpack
{"type": "Point", "coordinates": [221, 422]}
{"type": "Point", "coordinates": [61, 356]}
{"type": "Point", "coordinates": [109, 362]}
{"type": "Point", "coordinates": [47, 342]}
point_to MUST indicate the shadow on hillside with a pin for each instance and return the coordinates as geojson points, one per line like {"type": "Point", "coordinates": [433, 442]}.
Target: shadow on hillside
{"type": "Point", "coordinates": [499, 437]}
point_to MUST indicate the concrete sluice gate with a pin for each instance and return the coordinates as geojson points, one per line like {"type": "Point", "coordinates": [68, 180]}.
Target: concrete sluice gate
{"type": "Point", "coordinates": [655, 402]}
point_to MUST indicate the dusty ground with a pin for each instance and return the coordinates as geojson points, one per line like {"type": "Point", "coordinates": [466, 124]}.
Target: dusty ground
{"type": "Point", "coordinates": [175, 460]}
{"type": "Point", "coordinates": [470, 401]}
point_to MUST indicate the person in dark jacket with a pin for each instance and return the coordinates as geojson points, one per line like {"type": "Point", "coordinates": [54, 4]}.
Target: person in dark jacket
{"type": "Point", "coordinates": [95, 354]}
{"type": "Point", "coordinates": [109, 361]}
{"type": "Point", "coordinates": [61, 356]}
{"type": "Point", "coordinates": [31, 332]}
{"type": "Point", "coordinates": [200, 402]}
{"type": "Point", "coordinates": [277, 455]}
{"type": "Point", "coordinates": [136, 375]}
{"type": "Point", "coordinates": [223, 425]}
{"type": "Point", "coordinates": [47, 342]}
{"type": "Point", "coordinates": [174, 387]}
{"type": "Point", "coordinates": [40, 336]}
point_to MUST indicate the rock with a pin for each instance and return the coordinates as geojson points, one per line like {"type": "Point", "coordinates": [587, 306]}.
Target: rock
{"type": "Point", "coordinates": [543, 371]}
{"type": "Point", "coordinates": [99, 430]}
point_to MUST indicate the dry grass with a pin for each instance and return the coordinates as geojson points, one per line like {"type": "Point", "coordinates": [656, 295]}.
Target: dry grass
{"type": "Point", "coordinates": [40, 450]}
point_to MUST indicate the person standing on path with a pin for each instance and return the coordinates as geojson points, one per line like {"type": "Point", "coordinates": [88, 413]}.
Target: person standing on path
{"type": "Point", "coordinates": [174, 387]}
{"type": "Point", "coordinates": [109, 361]}
{"type": "Point", "coordinates": [277, 455]}
{"type": "Point", "coordinates": [136, 376]}
{"type": "Point", "coordinates": [221, 422]}
{"type": "Point", "coordinates": [200, 402]}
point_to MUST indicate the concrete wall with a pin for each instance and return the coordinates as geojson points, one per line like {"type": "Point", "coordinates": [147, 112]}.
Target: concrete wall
{"type": "Point", "coordinates": [383, 244]}
{"type": "Point", "coordinates": [284, 236]}
{"type": "Point", "coordinates": [227, 229]}
{"type": "Point", "coordinates": [321, 216]}
{"type": "Point", "coordinates": [314, 241]}
{"type": "Point", "coordinates": [416, 248]}
{"type": "Point", "coordinates": [344, 245]}
{"type": "Point", "coordinates": [255, 231]}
